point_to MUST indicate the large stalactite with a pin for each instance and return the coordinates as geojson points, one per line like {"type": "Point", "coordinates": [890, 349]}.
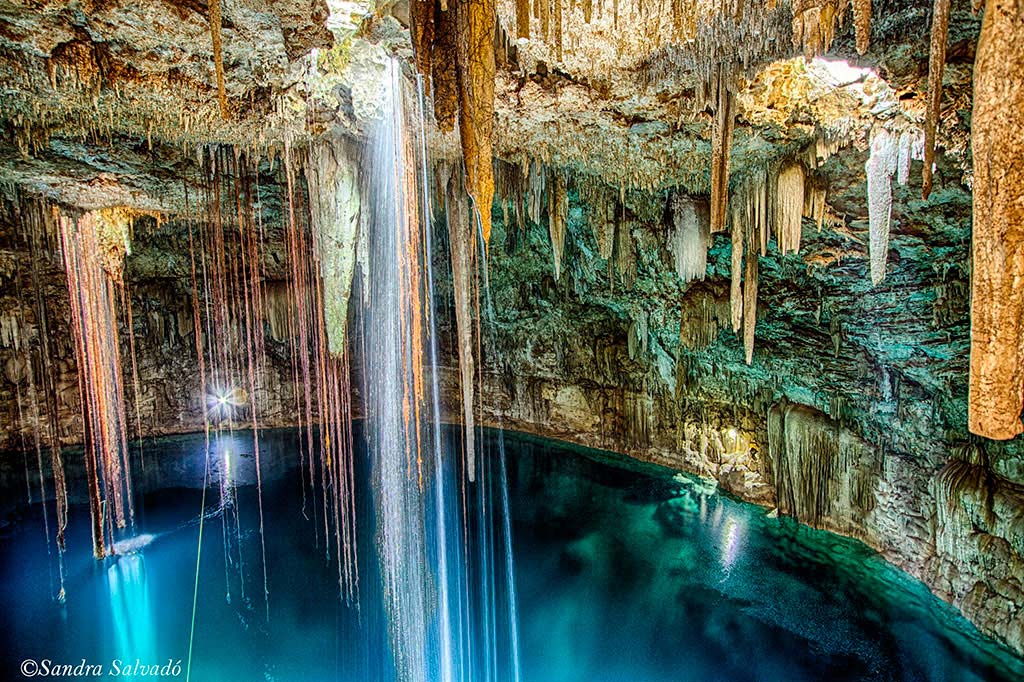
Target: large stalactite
{"type": "Point", "coordinates": [454, 46]}
{"type": "Point", "coordinates": [463, 255]}
{"type": "Point", "coordinates": [996, 393]}
{"type": "Point", "coordinates": [475, 68]}
{"type": "Point", "coordinates": [936, 65]}
{"type": "Point", "coordinates": [721, 147]}
{"type": "Point", "coordinates": [334, 206]}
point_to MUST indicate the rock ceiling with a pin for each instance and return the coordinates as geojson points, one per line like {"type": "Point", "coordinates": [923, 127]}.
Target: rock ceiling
{"type": "Point", "coordinates": [626, 100]}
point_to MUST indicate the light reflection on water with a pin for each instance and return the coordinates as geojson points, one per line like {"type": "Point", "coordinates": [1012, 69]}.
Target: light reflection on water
{"type": "Point", "coordinates": [622, 571]}
{"type": "Point", "coordinates": [131, 610]}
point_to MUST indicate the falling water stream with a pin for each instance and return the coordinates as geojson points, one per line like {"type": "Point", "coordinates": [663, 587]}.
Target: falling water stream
{"type": "Point", "coordinates": [441, 603]}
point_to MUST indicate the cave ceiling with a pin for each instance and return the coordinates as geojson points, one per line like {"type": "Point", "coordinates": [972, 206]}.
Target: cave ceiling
{"type": "Point", "coordinates": [104, 103]}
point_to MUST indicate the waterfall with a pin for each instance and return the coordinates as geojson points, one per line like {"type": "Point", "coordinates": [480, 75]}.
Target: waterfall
{"type": "Point", "coordinates": [447, 585]}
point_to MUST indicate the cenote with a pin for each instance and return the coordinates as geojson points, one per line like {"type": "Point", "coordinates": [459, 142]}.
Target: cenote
{"type": "Point", "coordinates": [622, 572]}
{"type": "Point", "coordinates": [512, 340]}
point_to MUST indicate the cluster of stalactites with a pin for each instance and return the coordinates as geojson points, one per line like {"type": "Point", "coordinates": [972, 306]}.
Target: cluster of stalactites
{"type": "Point", "coordinates": [761, 204]}
{"type": "Point", "coordinates": [454, 45]}
{"type": "Point", "coordinates": [996, 390]}
{"type": "Point", "coordinates": [334, 204]}
{"type": "Point", "coordinates": [558, 215]}
{"type": "Point", "coordinates": [789, 207]}
{"type": "Point", "coordinates": [891, 154]}
{"type": "Point", "coordinates": [817, 466]}
{"type": "Point", "coordinates": [92, 245]}
{"type": "Point", "coordinates": [701, 318]}
{"type": "Point", "coordinates": [815, 23]}
{"type": "Point", "coordinates": [690, 238]}
{"type": "Point", "coordinates": [751, 209]}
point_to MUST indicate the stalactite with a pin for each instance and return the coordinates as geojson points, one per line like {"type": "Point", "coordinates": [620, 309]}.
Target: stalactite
{"type": "Point", "coordinates": [625, 253]}
{"type": "Point", "coordinates": [442, 62]}
{"type": "Point", "coordinates": [218, 56]}
{"type": "Point", "coordinates": [700, 319]}
{"type": "Point", "coordinates": [543, 13]}
{"type": "Point", "coordinates": [522, 18]}
{"type": "Point", "coordinates": [637, 336]}
{"type": "Point", "coordinates": [721, 146]}
{"type": "Point", "coordinates": [862, 24]}
{"type": "Point", "coordinates": [462, 244]}
{"type": "Point", "coordinates": [815, 22]}
{"type": "Point", "coordinates": [936, 65]}
{"type": "Point", "coordinates": [750, 208]}
{"type": "Point", "coordinates": [996, 390]}
{"type": "Point", "coordinates": [600, 202]}
{"type": "Point", "coordinates": [690, 238]}
{"type": "Point", "coordinates": [334, 209]}
{"type": "Point", "coordinates": [558, 210]}
{"type": "Point", "coordinates": [749, 294]}
{"type": "Point", "coordinates": [535, 191]}
{"type": "Point", "coordinates": [421, 14]}
{"type": "Point", "coordinates": [789, 208]}
{"type": "Point", "coordinates": [815, 206]}
{"type": "Point", "coordinates": [475, 21]}
{"type": "Point", "coordinates": [421, 17]}
{"type": "Point", "coordinates": [736, 273]}
{"type": "Point", "coordinates": [557, 20]}
{"type": "Point", "coordinates": [823, 475]}
{"type": "Point", "coordinates": [879, 168]}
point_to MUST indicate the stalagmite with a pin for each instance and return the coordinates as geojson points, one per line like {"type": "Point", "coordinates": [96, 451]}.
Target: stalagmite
{"type": "Point", "coordinates": [862, 24]}
{"type": "Point", "coordinates": [334, 210]}
{"type": "Point", "coordinates": [996, 390]}
{"type": "Point", "coordinates": [879, 168]}
{"type": "Point", "coordinates": [936, 65]}
{"type": "Point", "coordinates": [721, 145]}
{"type": "Point", "coordinates": [558, 209]}
{"type": "Point", "coordinates": [462, 243]}
{"type": "Point", "coordinates": [475, 23]}
{"type": "Point", "coordinates": [789, 207]}
{"type": "Point", "coordinates": [690, 239]}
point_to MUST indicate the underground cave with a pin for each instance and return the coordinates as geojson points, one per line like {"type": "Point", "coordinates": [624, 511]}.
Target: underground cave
{"type": "Point", "coordinates": [512, 340]}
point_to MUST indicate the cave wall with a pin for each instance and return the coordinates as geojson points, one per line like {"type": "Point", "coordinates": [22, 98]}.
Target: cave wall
{"type": "Point", "coordinates": [855, 402]}
{"type": "Point", "coordinates": [170, 397]}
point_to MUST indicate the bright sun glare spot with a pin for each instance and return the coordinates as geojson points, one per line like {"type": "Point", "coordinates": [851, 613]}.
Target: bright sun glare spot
{"type": "Point", "coordinates": [839, 72]}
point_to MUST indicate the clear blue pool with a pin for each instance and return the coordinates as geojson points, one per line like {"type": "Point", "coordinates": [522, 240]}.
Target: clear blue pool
{"type": "Point", "coordinates": [623, 573]}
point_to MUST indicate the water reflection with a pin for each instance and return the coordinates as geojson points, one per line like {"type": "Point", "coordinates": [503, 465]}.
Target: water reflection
{"type": "Point", "coordinates": [131, 612]}
{"type": "Point", "coordinates": [622, 573]}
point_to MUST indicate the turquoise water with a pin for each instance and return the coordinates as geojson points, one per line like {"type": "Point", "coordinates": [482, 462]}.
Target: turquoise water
{"type": "Point", "coordinates": [622, 572]}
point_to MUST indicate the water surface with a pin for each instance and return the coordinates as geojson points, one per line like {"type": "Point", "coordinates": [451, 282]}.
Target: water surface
{"type": "Point", "coordinates": [623, 573]}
